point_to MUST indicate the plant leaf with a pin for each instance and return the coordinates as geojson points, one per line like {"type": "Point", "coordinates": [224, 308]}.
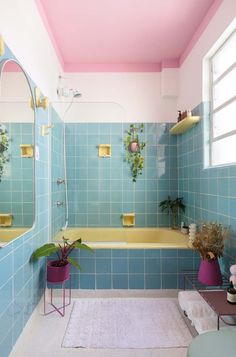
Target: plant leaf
{"type": "Point", "coordinates": [74, 263]}
{"type": "Point", "coordinates": [45, 251]}
{"type": "Point", "coordinates": [83, 246]}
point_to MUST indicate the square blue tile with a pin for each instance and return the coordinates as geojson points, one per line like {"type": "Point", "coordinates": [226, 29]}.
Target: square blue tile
{"type": "Point", "coordinates": [120, 281]}
{"type": "Point", "coordinates": [120, 265]}
{"type": "Point", "coordinates": [136, 281]}
{"type": "Point", "coordinates": [103, 281]}
{"type": "Point", "coordinates": [152, 281]}
{"type": "Point", "coordinates": [103, 265]}
{"type": "Point", "coordinates": [87, 281]}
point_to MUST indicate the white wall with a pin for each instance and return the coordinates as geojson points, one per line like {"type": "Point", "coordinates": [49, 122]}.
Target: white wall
{"type": "Point", "coordinates": [191, 84]}
{"type": "Point", "coordinates": [23, 31]}
{"type": "Point", "coordinates": [114, 97]}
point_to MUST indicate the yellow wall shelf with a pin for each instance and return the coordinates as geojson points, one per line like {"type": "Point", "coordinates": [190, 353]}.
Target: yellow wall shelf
{"type": "Point", "coordinates": [27, 150]}
{"type": "Point", "coordinates": [5, 219]}
{"type": "Point", "coordinates": [184, 125]}
{"type": "Point", "coordinates": [104, 150]}
{"type": "Point", "coordinates": [128, 219]}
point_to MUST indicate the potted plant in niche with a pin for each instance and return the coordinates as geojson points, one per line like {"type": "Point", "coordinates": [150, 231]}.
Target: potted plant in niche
{"type": "Point", "coordinates": [209, 242]}
{"type": "Point", "coordinates": [173, 206]}
{"type": "Point", "coordinates": [58, 270]}
{"type": "Point", "coordinates": [134, 148]}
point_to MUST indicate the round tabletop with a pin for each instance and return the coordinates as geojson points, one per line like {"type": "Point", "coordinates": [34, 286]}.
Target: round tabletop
{"type": "Point", "coordinates": [214, 343]}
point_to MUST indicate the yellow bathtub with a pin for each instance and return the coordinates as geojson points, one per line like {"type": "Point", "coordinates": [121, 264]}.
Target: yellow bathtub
{"type": "Point", "coordinates": [8, 234]}
{"type": "Point", "coordinates": [127, 238]}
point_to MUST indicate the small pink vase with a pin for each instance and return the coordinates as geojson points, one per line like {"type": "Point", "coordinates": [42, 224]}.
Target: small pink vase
{"type": "Point", "coordinates": [209, 273]}
{"type": "Point", "coordinates": [133, 146]}
{"type": "Point", "coordinates": [57, 274]}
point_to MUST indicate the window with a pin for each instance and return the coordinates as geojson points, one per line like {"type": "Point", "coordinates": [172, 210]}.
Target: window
{"type": "Point", "coordinates": [223, 104]}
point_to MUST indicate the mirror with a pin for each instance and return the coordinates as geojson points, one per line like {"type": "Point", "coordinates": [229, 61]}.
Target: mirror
{"type": "Point", "coordinates": [17, 203]}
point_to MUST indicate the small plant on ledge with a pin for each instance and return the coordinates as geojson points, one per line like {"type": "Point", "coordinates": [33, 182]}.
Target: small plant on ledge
{"type": "Point", "coordinates": [134, 147]}
{"type": "Point", "coordinates": [173, 206]}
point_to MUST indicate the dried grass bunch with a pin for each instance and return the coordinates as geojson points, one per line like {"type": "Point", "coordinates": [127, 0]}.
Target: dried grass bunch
{"type": "Point", "coordinates": [209, 241]}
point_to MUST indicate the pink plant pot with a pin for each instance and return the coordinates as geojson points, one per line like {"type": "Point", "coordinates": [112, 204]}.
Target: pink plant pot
{"type": "Point", "coordinates": [133, 146]}
{"type": "Point", "coordinates": [57, 274]}
{"type": "Point", "coordinates": [209, 273]}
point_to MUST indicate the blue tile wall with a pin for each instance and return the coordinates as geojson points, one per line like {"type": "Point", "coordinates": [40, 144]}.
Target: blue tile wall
{"type": "Point", "coordinates": [57, 171]}
{"type": "Point", "coordinates": [209, 193]}
{"type": "Point", "coordinates": [101, 189]}
{"type": "Point", "coordinates": [133, 269]}
{"type": "Point", "coordinates": [16, 186]}
{"type": "Point", "coordinates": [22, 283]}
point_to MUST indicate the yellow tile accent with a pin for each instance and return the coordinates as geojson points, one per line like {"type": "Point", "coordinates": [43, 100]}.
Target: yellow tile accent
{"type": "Point", "coordinates": [27, 150]}
{"type": "Point", "coordinates": [2, 46]}
{"type": "Point", "coordinates": [104, 150]}
{"type": "Point", "coordinates": [128, 219]}
{"type": "Point", "coordinates": [5, 219]}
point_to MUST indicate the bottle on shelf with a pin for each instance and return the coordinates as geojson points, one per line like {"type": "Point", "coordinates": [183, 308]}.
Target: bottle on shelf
{"type": "Point", "coordinates": [231, 294]}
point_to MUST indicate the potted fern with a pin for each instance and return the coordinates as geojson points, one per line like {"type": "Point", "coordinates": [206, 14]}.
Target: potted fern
{"type": "Point", "coordinates": [173, 206]}
{"type": "Point", "coordinates": [58, 270]}
{"type": "Point", "coordinates": [134, 148]}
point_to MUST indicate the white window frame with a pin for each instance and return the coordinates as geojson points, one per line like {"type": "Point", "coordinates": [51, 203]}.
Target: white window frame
{"type": "Point", "coordinates": [223, 105]}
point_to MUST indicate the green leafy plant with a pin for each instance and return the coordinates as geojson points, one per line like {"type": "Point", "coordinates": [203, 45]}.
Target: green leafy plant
{"type": "Point", "coordinates": [62, 250]}
{"type": "Point", "coordinates": [209, 240]}
{"type": "Point", "coordinates": [134, 147]}
{"type": "Point", "coordinates": [173, 206]}
{"type": "Point", "coordinates": [4, 143]}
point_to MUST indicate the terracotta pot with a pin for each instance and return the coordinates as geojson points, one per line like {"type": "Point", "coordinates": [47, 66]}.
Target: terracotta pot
{"type": "Point", "coordinates": [209, 273]}
{"type": "Point", "coordinates": [134, 147]}
{"type": "Point", "coordinates": [57, 274]}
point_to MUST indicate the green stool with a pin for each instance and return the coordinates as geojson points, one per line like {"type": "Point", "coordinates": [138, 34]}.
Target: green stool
{"type": "Point", "coordinates": [214, 343]}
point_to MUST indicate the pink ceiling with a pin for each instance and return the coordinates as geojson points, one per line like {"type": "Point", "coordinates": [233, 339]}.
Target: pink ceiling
{"type": "Point", "coordinates": [124, 35]}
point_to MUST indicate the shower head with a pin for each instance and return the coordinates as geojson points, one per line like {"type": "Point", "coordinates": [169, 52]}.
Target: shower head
{"type": "Point", "coordinates": [76, 93]}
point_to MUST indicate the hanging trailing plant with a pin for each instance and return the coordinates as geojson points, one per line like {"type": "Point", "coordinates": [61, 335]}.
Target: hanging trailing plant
{"type": "Point", "coordinates": [134, 147]}
{"type": "Point", "coordinates": [4, 143]}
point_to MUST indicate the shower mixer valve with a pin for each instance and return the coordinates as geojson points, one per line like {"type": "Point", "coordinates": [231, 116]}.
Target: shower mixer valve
{"type": "Point", "coordinates": [60, 181]}
{"type": "Point", "coordinates": [60, 203]}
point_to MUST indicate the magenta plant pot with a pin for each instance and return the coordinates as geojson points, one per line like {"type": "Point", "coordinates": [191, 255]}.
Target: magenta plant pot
{"type": "Point", "coordinates": [133, 146]}
{"type": "Point", "coordinates": [209, 273]}
{"type": "Point", "coordinates": [57, 274]}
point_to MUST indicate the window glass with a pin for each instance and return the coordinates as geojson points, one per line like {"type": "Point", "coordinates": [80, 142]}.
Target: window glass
{"type": "Point", "coordinates": [227, 116]}
{"type": "Point", "coordinates": [225, 57]}
{"type": "Point", "coordinates": [224, 89]}
{"type": "Point", "coordinates": [224, 151]}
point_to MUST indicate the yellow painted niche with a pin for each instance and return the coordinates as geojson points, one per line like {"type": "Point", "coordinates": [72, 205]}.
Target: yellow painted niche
{"type": "Point", "coordinates": [27, 150]}
{"type": "Point", "coordinates": [5, 219]}
{"type": "Point", "coordinates": [104, 150]}
{"type": "Point", "coordinates": [128, 219]}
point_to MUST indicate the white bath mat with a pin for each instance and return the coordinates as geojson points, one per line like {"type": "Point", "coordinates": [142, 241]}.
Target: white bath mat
{"type": "Point", "coordinates": [126, 323]}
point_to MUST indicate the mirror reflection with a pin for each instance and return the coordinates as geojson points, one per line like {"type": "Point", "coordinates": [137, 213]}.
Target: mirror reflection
{"type": "Point", "coordinates": [16, 152]}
